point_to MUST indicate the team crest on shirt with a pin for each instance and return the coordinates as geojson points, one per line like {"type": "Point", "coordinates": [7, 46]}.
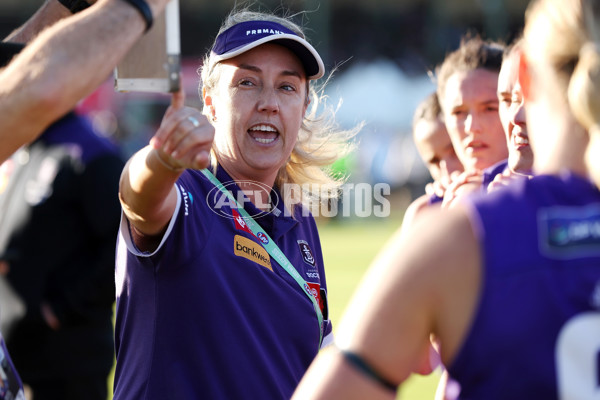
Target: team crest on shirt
{"type": "Point", "coordinates": [568, 232]}
{"type": "Point", "coordinates": [307, 254]}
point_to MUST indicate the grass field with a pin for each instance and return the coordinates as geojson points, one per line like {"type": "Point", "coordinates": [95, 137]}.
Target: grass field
{"type": "Point", "coordinates": [348, 249]}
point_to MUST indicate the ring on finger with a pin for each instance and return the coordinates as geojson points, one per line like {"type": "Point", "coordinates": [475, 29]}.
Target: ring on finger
{"type": "Point", "coordinates": [194, 121]}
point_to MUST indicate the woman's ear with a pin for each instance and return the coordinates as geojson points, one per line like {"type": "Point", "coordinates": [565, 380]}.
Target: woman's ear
{"type": "Point", "coordinates": [207, 99]}
{"type": "Point", "coordinates": [306, 104]}
{"type": "Point", "coordinates": [524, 77]}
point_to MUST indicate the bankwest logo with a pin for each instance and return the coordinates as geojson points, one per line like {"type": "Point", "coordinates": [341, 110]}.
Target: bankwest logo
{"type": "Point", "coordinates": [244, 247]}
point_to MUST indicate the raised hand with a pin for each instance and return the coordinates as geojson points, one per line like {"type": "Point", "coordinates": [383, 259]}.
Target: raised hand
{"type": "Point", "coordinates": [504, 179]}
{"type": "Point", "coordinates": [465, 183]}
{"type": "Point", "coordinates": [184, 138]}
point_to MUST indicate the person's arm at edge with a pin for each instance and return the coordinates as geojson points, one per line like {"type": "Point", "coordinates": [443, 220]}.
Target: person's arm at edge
{"type": "Point", "coordinates": [408, 292]}
{"type": "Point", "coordinates": [414, 209]}
{"type": "Point", "coordinates": [63, 64]}
{"type": "Point", "coordinates": [50, 12]}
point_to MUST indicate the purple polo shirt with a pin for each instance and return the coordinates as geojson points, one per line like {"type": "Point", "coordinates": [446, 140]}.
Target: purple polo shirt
{"type": "Point", "coordinates": [210, 314]}
{"type": "Point", "coordinates": [536, 332]}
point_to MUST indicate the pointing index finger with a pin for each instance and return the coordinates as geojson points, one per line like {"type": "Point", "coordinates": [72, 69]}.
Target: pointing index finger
{"type": "Point", "coordinates": [178, 99]}
{"type": "Point", "coordinates": [177, 103]}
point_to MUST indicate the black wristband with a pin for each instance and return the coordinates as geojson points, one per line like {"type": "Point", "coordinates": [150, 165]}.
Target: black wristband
{"type": "Point", "coordinates": [361, 365]}
{"type": "Point", "coordinates": [75, 5]}
{"type": "Point", "coordinates": [145, 10]}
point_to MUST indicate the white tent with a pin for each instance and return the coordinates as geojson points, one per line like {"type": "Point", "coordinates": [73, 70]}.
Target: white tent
{"type": "Point", "coordinates": [379, 93]}
{"type": "Point", "coordinates": [385, 98]}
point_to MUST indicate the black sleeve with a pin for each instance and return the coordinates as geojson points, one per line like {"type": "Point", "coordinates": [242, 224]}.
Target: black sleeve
{"type": "Point", "coordinates": [92, 293]}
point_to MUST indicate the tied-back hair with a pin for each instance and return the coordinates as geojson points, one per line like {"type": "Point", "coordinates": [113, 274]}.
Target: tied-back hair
{"type": "Point", "coordinates": [473, 53]}
{"type": "Point", "coordinates": [566, 35]}
{"type": "Point", "coordinates": [320, 142]}
{"type": "Point", "coordinates": [584, 86]}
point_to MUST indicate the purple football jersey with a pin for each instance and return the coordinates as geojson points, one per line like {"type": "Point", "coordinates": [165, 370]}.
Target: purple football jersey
{"type": "Point", "coordinates": [536, 332]}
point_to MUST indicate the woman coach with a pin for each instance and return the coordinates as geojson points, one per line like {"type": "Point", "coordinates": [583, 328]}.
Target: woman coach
{"type": "Point", "coordinates": [221, 290]}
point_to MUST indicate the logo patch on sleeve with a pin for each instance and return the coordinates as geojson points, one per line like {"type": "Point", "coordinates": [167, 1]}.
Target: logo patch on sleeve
{"type": "Point", "coordinates": [306, 252]}
{"type": "Point", "coordinates": [568, 232]}
{"type": "Point", "coordinates": [244, 247]}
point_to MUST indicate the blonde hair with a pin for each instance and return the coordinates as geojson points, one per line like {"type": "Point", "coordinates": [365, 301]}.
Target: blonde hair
{"type": "Point", "coordinates": [565, 35]}
{"type": "Point", "coordinates": [320, 141]}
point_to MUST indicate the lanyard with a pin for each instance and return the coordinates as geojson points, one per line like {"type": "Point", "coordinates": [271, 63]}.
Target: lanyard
{"type": "Point", "coordinates": [271, 248]}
